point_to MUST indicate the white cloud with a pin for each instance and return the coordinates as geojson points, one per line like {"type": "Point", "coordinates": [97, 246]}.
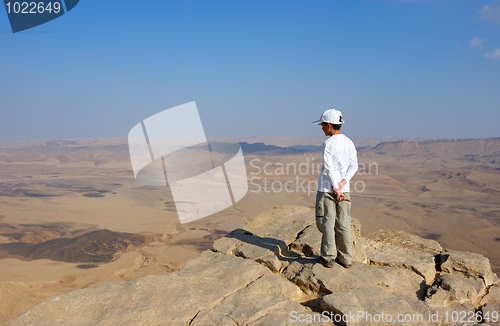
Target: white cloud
{"type": "Point", "coordinates": [476, 42]}
{"type": "Point", "coordinates": [493, 55]}
{"type": "Point", "coordinates": [490, 13]}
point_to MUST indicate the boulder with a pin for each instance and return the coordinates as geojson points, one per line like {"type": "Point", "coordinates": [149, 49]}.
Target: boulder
{"type": "Point", "coordinates": [493, 295]}
{"type": "Point", "coordinates": [244, 244]}
{"type": "Point", "coordinates": [491, 314]}
{"type": "Point", "coordinates": [266, 238]}
{"type": "Point", "coordinates": [308, 241]}
{"type": "Point", "coordinates": [396, 255]}
{"type": "Point", "coordinates": [449, 288]}
{"type": "Point", "coordinates": [282, 224]}
{"type": "Point", "coordinates": [260, 299]}
{"type": "Point", "coordinates": [375, 305]}
{"type": "Point", "coordinates": [468, 264]}
{"type": "Point", "coordinates": [408, 241]}
{"type": "Point", "coordinates": [314, 278]}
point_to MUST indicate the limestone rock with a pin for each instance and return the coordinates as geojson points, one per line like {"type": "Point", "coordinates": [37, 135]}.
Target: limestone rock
{"type": "Point", "coordinates": [210, 317]}
{"type": "Point", "coordinates": [315, 278]}
{"type": "Point", "coordinates": [308, 241]}
{"type": "Point", "coordinates": [176, 298]}
{"type": "Point", "coordinates": [491, 314]}
{"type": "Point", "coordinates": [263, 302]}
{"type": "Point", "coordinates": [301, 273]}
{"type": "Point", "coordinates": [266, 238]}
{"type": "Point", "coordinates": [375, 305]}
{"type": "Point", "coordinates": [493, 295]}
{"type": "Point", "coordinates": [244, 244]}
{"type": "Point", "coordinates": [407, 240]}
{"type": "Point", "coordinates": [450, 288]}
{"type": "Point", "coordinates": [288, 314]}
{"type": "Point", "coordinates": [355, 227]}
{"type": "Point", "coordinates": [260, 299]}
{"type": "Point", "coordinates": [358, 250]}
{"type": "Point", "coordinates": [456, 314]}
{"type": "Point", "coordinates": [282, 223]}
{"type": "Point", "coordinates": [386, 254]}
{"type": "Point", "coordinates": [468, 264]}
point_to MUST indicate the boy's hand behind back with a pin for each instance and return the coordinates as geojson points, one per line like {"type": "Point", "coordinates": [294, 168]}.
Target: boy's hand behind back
{"type": "Point", "coordinates": [338, 194]}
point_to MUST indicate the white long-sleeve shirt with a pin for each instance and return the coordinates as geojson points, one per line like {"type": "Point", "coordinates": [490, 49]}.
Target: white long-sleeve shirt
{"type": "Point", "coordinates": [340, 161]}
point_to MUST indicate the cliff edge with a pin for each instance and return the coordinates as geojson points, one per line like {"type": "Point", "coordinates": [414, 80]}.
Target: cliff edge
{"type": "Point", "coordinates": [266, 273]}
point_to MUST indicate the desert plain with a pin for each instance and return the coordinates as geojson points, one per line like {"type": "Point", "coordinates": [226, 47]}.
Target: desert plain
{"type": "Point", "coordinates": [73, 216]}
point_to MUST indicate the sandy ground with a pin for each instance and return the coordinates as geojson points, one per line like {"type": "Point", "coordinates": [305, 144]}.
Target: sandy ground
{"type": "Point", "coordinates": [65, 189]}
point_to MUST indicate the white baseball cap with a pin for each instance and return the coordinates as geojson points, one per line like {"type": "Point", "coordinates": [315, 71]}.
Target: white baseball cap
{"type": "Point", "coordinates": [330, 116]}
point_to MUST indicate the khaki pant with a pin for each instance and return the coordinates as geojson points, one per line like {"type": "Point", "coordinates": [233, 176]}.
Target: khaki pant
{"type": "Point", "coordinates": [333, 219]}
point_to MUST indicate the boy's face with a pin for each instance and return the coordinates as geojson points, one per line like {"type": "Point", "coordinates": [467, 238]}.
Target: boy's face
{"type": "Point", "coordinates": [327, 128]}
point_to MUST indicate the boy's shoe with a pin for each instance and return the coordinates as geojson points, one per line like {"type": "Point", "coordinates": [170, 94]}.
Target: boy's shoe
{"type": "Point", "coordinates": [342, 264]}
{"type": "Point", "coordinates": [326, 263]}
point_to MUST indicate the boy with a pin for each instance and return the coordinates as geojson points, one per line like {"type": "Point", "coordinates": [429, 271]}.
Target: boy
{"type": "Point", "coordinates": [333, 201]}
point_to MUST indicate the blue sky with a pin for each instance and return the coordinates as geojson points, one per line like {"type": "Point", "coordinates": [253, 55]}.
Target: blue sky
{"type": "Point", "coordinates": [428, 68]}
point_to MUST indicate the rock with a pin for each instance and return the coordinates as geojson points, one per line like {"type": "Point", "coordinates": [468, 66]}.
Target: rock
{"type": "Point", "coordinates": [244, 244]}
{"type": "Point", "coordinates": [272, 262]}
{"type": "Point", "coordinates": [493, 295]}
{"type": "Point", "coordinates": [375, 305]}
{"type": "Point", "coordinates": [468, 264]}
{"type": "Point", "coordinates": [358, 250]}
{"type": "Point", "coordinates": [266, 238]}
{"type": "Point", "coordinates": [386, 254]}
{"type": "Point", "coordinates": [317, 279]}
{"type": "Point", "coordinates": [210, 317]}
{"type": "Point", "coordinates": [288, 314]}
{"type": "Point", "coordinates": [282, 224]}
{"type": "Point", "coordinates": [491, 314]}
{"type": "Point", "coordinates": [456, 314]}
{"type": "Point", "coordinates": [450, 288]}
{"type": "Point", "coordinates": [301, 273]}
{"type": "Point", "coordinates": [308, 241]}
{"type": "Point", "coordinates": [264, 296]}
{"type": "Point", "coordinates": [176, 298]}
{"type": "Point", "coordinates": [408, 241]}
{"type": "Point", "coordinates": [355, 227]}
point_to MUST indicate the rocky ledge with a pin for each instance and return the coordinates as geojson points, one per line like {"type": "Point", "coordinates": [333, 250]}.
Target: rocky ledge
{"type": "Point", "coordinates": [266, 273]}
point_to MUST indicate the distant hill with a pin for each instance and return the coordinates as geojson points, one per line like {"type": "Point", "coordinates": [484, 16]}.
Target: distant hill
{"type": "Point", "coordinates": [101, 152]}
{"type": "Point", "coordinates": [270, 149]}
{"type": "Point", "coordinates": [308, 148]}
{"type": "Point", "coordinates": [468, 149]}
